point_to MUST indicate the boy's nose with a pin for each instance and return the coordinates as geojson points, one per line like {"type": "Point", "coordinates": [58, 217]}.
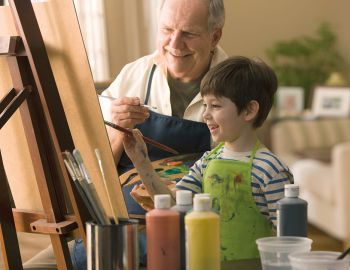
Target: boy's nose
{"type": "Point", "coordinates": [206, 114]}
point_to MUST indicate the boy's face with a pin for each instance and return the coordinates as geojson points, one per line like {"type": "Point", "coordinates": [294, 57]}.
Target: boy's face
{"type": "Point", "coordinates": [224, 122]}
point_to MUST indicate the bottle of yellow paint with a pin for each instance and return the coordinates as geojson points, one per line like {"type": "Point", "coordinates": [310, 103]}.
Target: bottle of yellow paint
{"type": "Point", "coordinates": [202, 236]}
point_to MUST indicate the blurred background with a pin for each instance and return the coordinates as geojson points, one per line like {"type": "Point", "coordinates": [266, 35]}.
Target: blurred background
{"type": "Point", "coordinates": [119, 31]}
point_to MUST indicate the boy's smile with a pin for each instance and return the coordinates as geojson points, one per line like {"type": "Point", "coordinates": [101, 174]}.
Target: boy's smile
{"type": "Point", "coordinates": [225, 124]}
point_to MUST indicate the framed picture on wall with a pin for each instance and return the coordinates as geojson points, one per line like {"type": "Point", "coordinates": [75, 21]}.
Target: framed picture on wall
{"type": "Point", "coordinates": [331, 101]}
{"type": "Point", "coordinates": [290, 99]}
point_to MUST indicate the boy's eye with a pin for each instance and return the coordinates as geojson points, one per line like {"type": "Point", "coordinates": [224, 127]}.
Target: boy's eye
{"type": "Point", "coordinates": [214, 106]}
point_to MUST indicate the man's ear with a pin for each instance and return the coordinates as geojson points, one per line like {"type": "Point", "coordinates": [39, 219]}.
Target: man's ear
{"type": "Point", "coordinates": [216, 36]}
{"type": "Point", "coordinates": [252, 110]}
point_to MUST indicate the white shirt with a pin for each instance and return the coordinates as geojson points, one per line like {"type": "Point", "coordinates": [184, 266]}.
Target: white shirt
{"type": "Point", "coordinates": [133, 79]}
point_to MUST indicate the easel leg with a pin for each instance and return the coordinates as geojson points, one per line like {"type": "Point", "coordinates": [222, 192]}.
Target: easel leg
{"type": "Point", "coordinates": [9, 241]}
{"type": "Point", "coordinates": [61, 251]}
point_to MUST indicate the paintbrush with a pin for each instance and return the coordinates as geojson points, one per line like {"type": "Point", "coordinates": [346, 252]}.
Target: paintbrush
{"type": "Point", "coordinates": [143, 105]}
{"type": "Point", "coordinates": [114, 209]}
{"type": "Point", "coordinates": [147, 140]}
{"type": "Point", "coordinates": [79, 188]}
{"type": "Point", "coordinates": [90, 191]}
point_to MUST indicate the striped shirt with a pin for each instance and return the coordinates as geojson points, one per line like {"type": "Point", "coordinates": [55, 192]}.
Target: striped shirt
{"type": "Point", "coordinates": [269, 175]}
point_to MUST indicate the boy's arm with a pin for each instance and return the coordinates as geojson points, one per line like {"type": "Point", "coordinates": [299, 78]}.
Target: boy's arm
{"type": "Point", "coordinates": [151, 179]}
{"type": "Point", "coordinates": [136, 149]}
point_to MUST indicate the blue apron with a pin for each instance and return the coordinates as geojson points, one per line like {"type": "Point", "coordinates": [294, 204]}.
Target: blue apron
{"type": "Point", "coordinates": [183, 135]}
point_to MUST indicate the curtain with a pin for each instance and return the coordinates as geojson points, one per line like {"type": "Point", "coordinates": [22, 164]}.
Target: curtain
{"type": "Point", "coordinates": [131, 30]}
{"type": "Point", "coordinates": [91, 16]}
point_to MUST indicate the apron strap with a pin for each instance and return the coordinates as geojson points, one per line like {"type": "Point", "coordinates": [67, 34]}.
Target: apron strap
{"type": "Point", "coordinates": [149, 84]}
{"type": "Point", "coordinates": [255, 149]}
{"type": "Point", "coordinates": [214, 153]}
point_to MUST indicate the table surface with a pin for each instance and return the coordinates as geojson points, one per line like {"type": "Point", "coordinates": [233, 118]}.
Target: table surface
{"type": "Point", "coordinates": [253, 264]}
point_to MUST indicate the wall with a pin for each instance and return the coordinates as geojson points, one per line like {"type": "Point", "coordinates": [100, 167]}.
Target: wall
{"type": "Point", "coordinates": [251, 27]}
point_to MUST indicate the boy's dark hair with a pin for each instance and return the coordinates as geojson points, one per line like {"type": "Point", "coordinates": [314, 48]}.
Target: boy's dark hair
{"type": "Point", "coordinates": [242, 80]}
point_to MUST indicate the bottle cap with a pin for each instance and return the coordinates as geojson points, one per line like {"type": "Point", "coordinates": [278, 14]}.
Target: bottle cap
{"type": "Point", "coordinates": [162, 201]}
{"type": "Point", "coordinates": [291, 190]}
{"type": "Point", "coordinates": [201, 203]}
{"type": "Point", "coordinates": [202, 195]}
{"type": "Point", "coordinates": [184, 197]}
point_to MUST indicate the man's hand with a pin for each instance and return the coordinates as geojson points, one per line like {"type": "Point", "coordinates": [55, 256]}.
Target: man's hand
{"type": "Point", "coordinates": [127, 112]}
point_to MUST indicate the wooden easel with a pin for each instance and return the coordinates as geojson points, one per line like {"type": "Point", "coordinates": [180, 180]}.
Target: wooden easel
{"type": "Point", "coordinates": [36, 95]}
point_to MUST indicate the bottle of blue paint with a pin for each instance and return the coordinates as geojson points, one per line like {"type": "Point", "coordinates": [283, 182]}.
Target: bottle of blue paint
{"type": "Point", "coordinates": [183, 205]}
{"type": "Point", "coordinates": [291, 213]}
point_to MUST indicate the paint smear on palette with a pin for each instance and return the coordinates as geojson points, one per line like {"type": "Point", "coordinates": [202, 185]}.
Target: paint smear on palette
{"type": "Point", "coordinates": [172, 171]}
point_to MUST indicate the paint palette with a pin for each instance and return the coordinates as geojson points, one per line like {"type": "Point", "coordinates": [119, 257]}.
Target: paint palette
{"type": "Point", "coordinates": [170, 169]}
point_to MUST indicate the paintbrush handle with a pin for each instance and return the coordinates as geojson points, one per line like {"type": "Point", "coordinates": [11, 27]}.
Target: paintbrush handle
{"type": "Point", "coordinates": [143, 105]}
{"type": "Point", "coordinates": [146, 139]}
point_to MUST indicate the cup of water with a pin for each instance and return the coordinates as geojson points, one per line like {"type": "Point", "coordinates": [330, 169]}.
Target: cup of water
{"type": "Point", "coordinates": [274, 251]}
{"type": "Point", "coordinates": [318, 260]}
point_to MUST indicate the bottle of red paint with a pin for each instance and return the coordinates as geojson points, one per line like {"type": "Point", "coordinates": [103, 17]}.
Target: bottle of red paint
{"type": "Point", "coordinates": [163, 235]}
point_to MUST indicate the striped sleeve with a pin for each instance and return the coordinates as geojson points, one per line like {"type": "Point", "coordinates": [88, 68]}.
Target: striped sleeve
{"type": "Point", "coordinates": [193, 180]}
{"type": "Point", "coordinates": [269, 175]}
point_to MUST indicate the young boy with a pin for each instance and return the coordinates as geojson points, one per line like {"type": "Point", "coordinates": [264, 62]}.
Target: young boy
{"type": "Point", "coordinates": [244, 179]}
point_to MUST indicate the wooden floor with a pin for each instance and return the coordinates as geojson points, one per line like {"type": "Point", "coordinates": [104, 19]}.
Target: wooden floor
{"type": "Point", "coordinates": [322, 241]}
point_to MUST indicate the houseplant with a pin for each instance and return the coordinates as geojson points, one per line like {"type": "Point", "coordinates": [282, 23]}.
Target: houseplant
{"type": "Point", "coordinates": [306, 61]}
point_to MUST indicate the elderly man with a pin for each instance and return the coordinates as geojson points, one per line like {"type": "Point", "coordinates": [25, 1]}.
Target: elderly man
{"type": "Point", "coordinates": [169, 80]}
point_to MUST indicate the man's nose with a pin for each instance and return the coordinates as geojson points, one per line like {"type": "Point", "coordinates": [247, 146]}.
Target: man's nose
{"type": "Point", "coordinates": [176, 40]}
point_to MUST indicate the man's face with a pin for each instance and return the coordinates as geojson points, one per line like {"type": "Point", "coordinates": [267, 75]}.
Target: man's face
{"type": "Point", "coordinates": [184, 40]}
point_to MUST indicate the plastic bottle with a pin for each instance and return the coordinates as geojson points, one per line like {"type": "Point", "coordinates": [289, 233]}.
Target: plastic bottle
{"type": "Point", "coordinates": [202, 236]}
{"type": "Point", "coordinates": [291, 213]}
{"type": "Point", "coordinates": [183, 205]}
{"type": "Point", "coordinates": [202, 195]}
{"type": "Point", "coordinates": [163, 235]}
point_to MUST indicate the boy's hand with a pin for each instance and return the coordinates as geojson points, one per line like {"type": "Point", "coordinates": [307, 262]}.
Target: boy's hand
{"type": "Point", "coordinates": [140, 194]}
{"type": "Point", "coordinates": [135, 147]}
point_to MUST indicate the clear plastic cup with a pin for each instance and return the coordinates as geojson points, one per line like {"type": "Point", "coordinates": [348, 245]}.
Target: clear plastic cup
{"type": "Point", "coordinates": [274, 251]}
{"type": "Point", "coordinates": [318, 260]}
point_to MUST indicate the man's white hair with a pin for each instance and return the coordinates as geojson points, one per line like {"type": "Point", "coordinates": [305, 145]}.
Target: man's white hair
{"type": "Point", "coordinates": [216, 17]}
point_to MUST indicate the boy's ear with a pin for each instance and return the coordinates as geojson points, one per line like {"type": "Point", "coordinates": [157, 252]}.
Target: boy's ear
{"type": "Point", "coordinates": [252, 110]}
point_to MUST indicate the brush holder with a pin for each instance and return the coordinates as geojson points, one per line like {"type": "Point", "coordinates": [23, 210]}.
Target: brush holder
{"type": "Point", "coordinates": [111, 247]}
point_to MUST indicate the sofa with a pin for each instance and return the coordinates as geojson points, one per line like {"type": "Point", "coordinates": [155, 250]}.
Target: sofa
{"type": "Point", "coordinates": [317, 150]}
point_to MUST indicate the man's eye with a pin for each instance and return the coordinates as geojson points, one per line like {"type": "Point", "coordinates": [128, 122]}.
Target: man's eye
{"type": "Point", "coordinates": [167, 30]}
{"type": "Point", "coordinates": [189, 34]}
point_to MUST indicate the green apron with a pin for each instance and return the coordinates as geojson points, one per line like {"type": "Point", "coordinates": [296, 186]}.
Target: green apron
{"type": "Point", "coordinates": [241, 223]}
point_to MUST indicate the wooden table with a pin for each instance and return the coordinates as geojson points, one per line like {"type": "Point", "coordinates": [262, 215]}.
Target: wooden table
{"type": "Point", "coordinates": [253, 264]}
